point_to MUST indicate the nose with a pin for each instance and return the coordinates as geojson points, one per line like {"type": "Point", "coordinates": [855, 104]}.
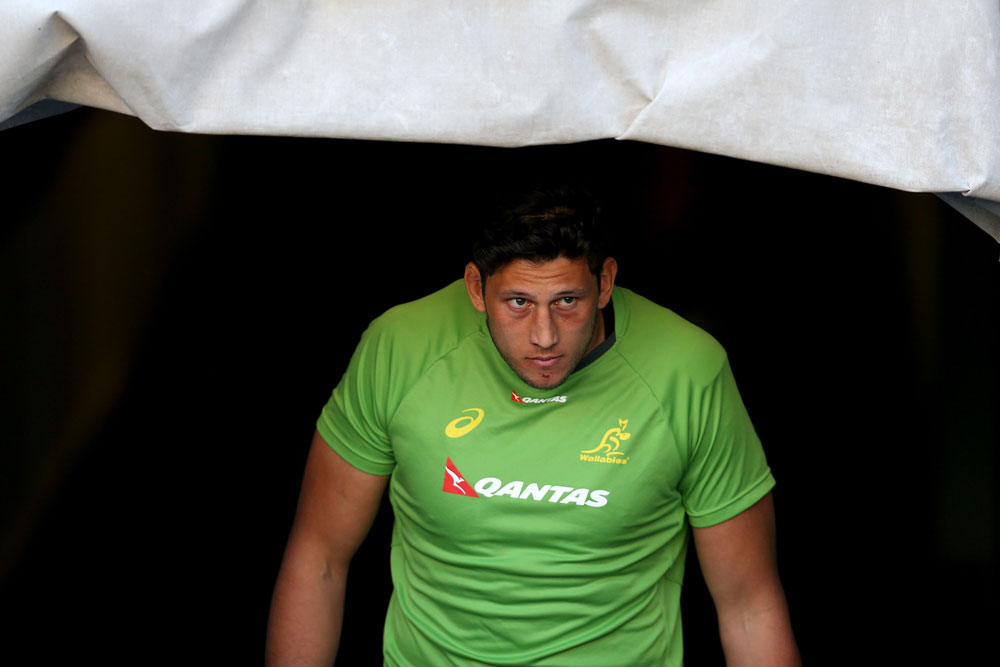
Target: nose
{"type": "Point", "coordinates": [543, 329]}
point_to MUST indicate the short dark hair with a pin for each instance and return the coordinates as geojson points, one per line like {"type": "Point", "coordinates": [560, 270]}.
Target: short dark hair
{"type": "Point", "coordinates": [540, 225]}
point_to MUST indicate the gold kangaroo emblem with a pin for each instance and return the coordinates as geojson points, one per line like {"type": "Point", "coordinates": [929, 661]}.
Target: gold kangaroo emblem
{"type": "Point", "coordinates": [613, 435]}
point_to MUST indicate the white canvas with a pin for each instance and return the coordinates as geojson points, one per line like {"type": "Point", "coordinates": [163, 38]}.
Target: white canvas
{"type": "Point", "coordinates": [900, 93]}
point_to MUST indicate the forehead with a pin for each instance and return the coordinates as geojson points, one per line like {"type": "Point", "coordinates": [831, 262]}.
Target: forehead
{"type": "Point", "coordinates": [527, 277]}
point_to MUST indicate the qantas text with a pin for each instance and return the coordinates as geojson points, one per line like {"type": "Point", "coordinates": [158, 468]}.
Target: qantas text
{"type": "Point", "coordinates": [492, 486]}
{"type": "Point", "coordinates": [526, 399]}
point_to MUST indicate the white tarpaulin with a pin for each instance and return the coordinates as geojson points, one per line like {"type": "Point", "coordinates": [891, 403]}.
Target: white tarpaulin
{"type": "Point", "coordinates": [901, 93]}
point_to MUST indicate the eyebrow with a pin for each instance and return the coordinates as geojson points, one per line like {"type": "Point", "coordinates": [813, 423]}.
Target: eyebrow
{"type": "Point", "coordinates": [516, 294]}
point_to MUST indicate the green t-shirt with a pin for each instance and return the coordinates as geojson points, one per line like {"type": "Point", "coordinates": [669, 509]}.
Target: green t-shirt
{"type": "Point", "coordinates": [542, 527]}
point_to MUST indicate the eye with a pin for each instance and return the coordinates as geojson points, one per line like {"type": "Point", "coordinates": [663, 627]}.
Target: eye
{"type": "Point", "coordinates": [567, 301]}
{"type": "Point", "coordinates": [517, 302]}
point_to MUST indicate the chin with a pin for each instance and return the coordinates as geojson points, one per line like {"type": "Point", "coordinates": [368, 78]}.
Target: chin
{"type": "Point", "coordinates": [545, 383]}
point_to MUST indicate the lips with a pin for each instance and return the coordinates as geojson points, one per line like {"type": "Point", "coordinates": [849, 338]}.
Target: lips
{"type": "Point", "coordinates": [544, 362]}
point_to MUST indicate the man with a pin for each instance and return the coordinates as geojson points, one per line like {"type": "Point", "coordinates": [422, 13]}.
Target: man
{"type": "Point", "coordinates": [550, 438]}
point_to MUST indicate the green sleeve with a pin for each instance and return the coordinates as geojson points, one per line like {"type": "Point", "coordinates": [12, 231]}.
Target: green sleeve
{"type": "Point", "coordinates": [354, 422]}
{"type": "Point", "coordinates": [727, 472]}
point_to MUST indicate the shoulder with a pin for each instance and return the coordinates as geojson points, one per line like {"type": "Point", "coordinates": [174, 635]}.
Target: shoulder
{"type": "Point", "coordinates": [398, 348]}
{"type": "Point", "coordinates": [447, 311]}
{"type": "Point", "coordinates": [659, 343]}
{"type": "Point", "coordinates": [444, 314]}
{"type": "Point", "coordinates": [417, 333]}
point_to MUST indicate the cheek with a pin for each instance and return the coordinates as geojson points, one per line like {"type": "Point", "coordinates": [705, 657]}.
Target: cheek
{"type": "Point", "coordinates": [508, 329]}
{"type": "Point", "coordinates": [578, 326]}
{"type": "Point", "coordinates": [576, 320]}
{"type": "Point", "coordinates": [516, 329]}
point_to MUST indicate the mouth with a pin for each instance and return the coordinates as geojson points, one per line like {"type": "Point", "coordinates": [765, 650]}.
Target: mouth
{"type": "Point", "coordinates": [544, 362]}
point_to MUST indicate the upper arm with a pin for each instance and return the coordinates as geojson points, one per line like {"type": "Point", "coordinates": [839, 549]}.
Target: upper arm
{"type": "Point", "coordinates": [738, 560]}
{"type": "Point", "coordinates": [737, 556]}
{"type": "Point", "coordinates": [337, 505]}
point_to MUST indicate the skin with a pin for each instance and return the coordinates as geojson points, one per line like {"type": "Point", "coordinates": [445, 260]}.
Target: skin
{"type": "Point", "coordinates": [737, 558]}
{"type": "Point", "coordinates": [337, 505]}
{"type": "Point", "coordinates": [543, 316]}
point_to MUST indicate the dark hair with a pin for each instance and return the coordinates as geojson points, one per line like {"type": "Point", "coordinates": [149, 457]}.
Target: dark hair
{"type": "Point", "coordinates": [541, 225]}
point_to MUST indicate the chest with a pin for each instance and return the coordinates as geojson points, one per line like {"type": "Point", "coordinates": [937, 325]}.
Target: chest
{"type": "Point", "coordinates": [593, 461]}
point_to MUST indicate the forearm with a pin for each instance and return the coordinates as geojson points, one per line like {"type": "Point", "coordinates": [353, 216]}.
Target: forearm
{"type": "Point", "coordinates": [336, 508]}
{"type": "Point", "coordinates": [759, 632]}
{"type": "Point", "coordinates": [306, 613]}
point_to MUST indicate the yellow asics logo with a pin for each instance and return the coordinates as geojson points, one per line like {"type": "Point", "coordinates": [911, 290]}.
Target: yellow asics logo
{"type": "Point", "coordinates": [462, 425]}
{"type": "Point", "coordinates": [611, 440]}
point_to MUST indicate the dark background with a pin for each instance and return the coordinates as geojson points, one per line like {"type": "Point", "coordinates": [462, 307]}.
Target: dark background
{"type": "Point", "coordinates": [175, 309]}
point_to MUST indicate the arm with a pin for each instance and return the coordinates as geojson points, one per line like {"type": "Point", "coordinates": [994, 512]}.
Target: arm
{"type": "Point", "coordinates": [337, 505]}
{"type": "Point", "coordinates": [737, 558]}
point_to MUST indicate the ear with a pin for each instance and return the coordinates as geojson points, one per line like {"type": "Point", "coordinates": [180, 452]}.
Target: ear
{"type": "Point", "coordinates": [474, 285]}
{"type": "Point", "coordinates": [608, 272]}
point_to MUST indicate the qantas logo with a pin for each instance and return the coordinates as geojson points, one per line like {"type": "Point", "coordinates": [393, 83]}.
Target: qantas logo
{"type": "Point", "coordinates": [454, 482]}
{"type": "Point", "coordinates": [524, 399]}
{"type": "Point", "coordinates": [489, 487]}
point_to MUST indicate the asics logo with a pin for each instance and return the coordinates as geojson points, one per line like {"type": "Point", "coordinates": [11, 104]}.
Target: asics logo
{"type": "Point", "coordinates": [459, 427]}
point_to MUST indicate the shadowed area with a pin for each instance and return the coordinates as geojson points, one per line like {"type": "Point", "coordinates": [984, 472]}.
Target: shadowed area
{"type": "Point", "coordinates": [177, 308]}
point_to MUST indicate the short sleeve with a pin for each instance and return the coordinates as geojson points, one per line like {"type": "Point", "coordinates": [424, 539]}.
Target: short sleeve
{"type": "Point", "coordinates": [727, 471]}
{"type": "Point", "coordinates": [354, 422]}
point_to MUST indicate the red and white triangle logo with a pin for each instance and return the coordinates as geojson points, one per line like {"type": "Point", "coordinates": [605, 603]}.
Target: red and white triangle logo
{"type": "Point", "coordinates": [514, 397]}
{"type": "Point", "coordinates": [455, 483]}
